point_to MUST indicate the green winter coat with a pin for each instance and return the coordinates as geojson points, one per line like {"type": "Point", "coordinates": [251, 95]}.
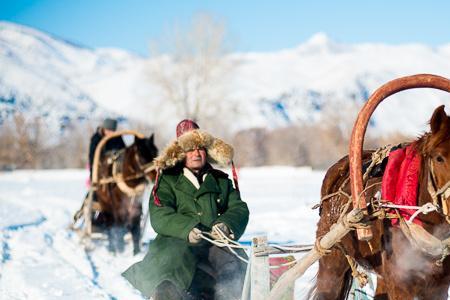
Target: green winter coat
{"type": "Point", "coordinates": [184, 207]}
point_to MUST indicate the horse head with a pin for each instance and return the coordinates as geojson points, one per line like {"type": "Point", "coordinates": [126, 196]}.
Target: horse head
{"type": "Point", "coordinates": [436, 151]}
{"type": "Point", "coordinates": [146, 148]}
{"type": "Point", "coordinates": [146, 151]}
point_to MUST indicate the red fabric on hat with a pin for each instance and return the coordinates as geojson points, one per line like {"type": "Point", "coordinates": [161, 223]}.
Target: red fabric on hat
{"type": "Point", "coordinates": [401, 180]}
{"type": "Point", "coordinates": [185, 126]}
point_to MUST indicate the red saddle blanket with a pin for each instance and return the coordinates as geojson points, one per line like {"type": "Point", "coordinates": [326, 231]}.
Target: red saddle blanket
{"type": "Point", "coordinates": [401, 180]}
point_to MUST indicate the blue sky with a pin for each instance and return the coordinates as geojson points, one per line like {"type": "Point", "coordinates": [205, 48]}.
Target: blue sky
{"type": "Point", "coordinates": [254, 25]}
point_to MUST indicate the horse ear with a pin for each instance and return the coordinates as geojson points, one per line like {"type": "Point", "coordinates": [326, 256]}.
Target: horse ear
{"type": "Point", "coordinates": [439, 119]}
{"type": "Point", "coordinates": [149, 141]}
{"type": "Point", "coordinates": [151, 138]}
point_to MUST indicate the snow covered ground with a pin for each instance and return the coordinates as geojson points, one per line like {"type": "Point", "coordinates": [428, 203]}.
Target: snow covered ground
{"type": "Point", "coordinates": [41, 259]}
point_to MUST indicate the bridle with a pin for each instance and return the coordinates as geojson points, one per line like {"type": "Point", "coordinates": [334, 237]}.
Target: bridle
{"type": "Point", "coordinates": [144, 168]}
{"type": "Point", "coordinates": [438, 194]}
{"type": "Point", "coordinates": [142, 171]}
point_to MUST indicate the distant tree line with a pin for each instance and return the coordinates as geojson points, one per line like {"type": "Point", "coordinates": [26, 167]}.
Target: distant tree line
{"type": "Point", "coordinates": [26, 144]}
{"type": "Point", "coordinates": [313, 145]}
{"type": "Point", "coordinates": [193, 74]}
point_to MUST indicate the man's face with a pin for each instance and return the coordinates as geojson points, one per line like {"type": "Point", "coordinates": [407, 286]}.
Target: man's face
{"type": "Point", "coordinates": [195, 159]}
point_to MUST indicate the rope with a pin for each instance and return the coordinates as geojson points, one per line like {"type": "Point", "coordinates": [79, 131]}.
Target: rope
{"type": "Point", "coordinates": [284, 264]}
{"type": "Point", "coordinates": [360, 276]}
{"type": "Point", "coordinates": [226, 242]}
{"type": "Point", "coordinates": [377, 157]}
{"type": "Point", "coordinates": [289, 248]}
{"type": "Point", "coordinates": [321, 250]}
{"type": "Point", "coordinates": [222, 244]}
{"type": "Point", "coordinates": [339, 192]}
{"type": "Point", "coordinates": [424, 209]}
{"type": "Point", "coordinates": [369, 187]}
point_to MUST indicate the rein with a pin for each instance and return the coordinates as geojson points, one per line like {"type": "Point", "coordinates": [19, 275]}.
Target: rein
{"type": "Point", "coordinates": [438, 195]}
{"type": "Point", "coordinates": [144, 169]}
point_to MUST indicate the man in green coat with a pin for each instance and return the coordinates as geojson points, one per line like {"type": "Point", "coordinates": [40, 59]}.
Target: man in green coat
{"type": "Point", "coordinates": [189, 199]}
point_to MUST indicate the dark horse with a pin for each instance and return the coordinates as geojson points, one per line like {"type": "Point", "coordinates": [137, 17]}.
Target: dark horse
{"type": "Point", "coordinates": [403, 271]}
{"type": "Point", "coordinates": [120, 205]}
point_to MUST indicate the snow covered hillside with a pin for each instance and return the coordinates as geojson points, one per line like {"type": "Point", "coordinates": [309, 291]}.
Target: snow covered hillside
{"type": "Point", "coordinates": [63, 81]}
{"type": "Point", "coordinates": [41, 259]}
{"type": "Point", "coordinates": [46, 76]}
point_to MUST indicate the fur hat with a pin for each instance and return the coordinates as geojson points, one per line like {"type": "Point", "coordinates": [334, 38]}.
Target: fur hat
{"type": "Point", "coordinates": [218, 152]}
{"type": "Point", "coordinates": [110, 124]}
{"type": "Point", "coordinates": [190, 137]}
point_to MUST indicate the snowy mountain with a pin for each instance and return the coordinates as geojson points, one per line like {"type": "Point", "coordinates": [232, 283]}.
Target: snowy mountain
{"type": "Point", "coordinates": [321, 75]}
{"type": "Point", "coordinates": [45, 76]}
{"type": "Point", "coordinates": [320, 78]}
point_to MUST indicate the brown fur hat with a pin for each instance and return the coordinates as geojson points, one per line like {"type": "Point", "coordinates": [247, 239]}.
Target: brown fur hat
{"type": "Point", "coordinates": [218, 152]}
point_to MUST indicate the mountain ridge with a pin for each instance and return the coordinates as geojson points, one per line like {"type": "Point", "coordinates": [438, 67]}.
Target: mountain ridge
{"type": "Point", "coordinates": [51, 77]}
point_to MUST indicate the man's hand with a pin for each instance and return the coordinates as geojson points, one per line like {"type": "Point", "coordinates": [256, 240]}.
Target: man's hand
{"type": "Point", "coordinates": [223, 228]}
{"type": "Point", "coordinates": [194, 236]}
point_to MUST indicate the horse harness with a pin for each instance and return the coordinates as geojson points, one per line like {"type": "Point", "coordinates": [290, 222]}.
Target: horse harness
{"type": "Point", "coordinates": [418, 237]}
{"type": "Point", "coordinates": [438, 194]}
{"type": "Point", "coordinates": [116, 160]}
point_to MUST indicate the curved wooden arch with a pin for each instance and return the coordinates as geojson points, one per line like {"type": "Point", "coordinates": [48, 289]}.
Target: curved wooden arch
{"type": "Point", "coordinates": [100, 146]}
{"type": "Point", "coordinates": [360, 126]}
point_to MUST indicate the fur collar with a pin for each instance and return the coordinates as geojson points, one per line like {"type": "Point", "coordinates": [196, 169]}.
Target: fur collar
{"type": "Point", "coordinates": [218, 152]}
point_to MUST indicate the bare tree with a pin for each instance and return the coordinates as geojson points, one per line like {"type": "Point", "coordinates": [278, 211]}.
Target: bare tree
{"type": "Point", "coordinates": [195, 73]}
{"type": "Point", "coordinates": [25, 143]}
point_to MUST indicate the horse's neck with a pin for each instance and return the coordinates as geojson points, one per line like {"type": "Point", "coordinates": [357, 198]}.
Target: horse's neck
{"type": "Point", "coordinates": [130, 165]}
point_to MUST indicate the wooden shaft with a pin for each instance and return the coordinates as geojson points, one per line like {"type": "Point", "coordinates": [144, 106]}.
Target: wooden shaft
{"type": "Point", "coordinates": [98, 150]}
{"type": "Point", "coordinates": [336, 233]}
{"type": "Point", "coordinates": [100, 146]}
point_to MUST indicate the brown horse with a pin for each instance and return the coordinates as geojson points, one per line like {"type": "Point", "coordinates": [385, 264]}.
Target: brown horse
{"type": "Point", "coordinates": [119, 200]}
{"type": "Point", "coordinates": [403, 271]}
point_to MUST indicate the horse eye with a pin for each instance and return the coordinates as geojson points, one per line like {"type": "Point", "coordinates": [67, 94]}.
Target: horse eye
{"type": "Point", "coordinates": [439, 159]}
